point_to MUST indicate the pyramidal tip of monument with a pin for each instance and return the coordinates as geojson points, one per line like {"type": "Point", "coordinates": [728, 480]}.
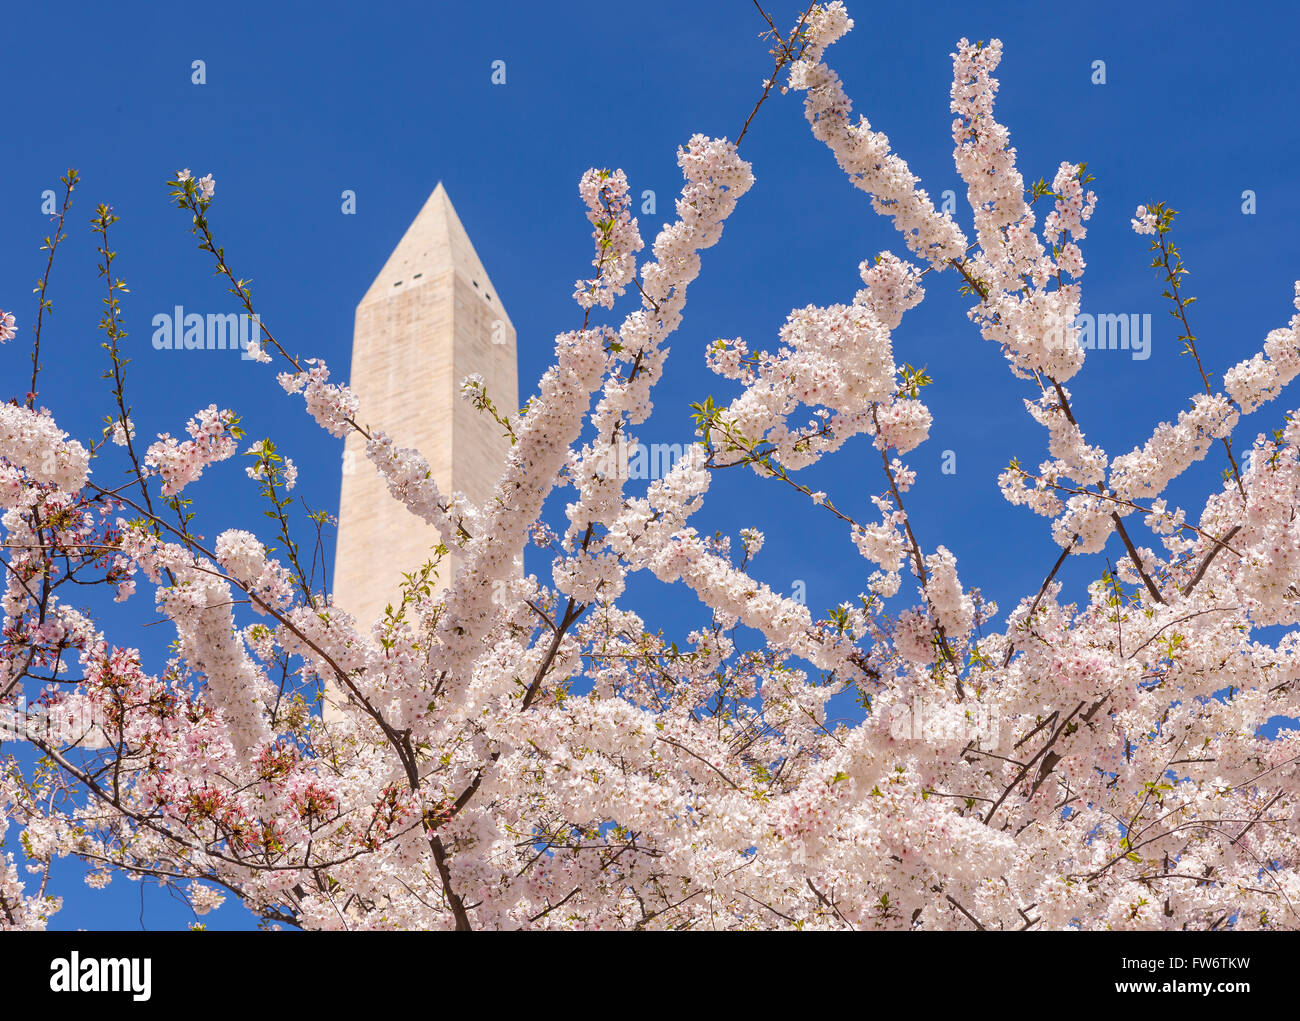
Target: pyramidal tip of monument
{"type": "Point", "coordinates": [434, 243]}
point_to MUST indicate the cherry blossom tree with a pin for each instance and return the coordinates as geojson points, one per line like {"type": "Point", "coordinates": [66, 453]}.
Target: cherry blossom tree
{"type": "Point", "coordinates": [509, 751]}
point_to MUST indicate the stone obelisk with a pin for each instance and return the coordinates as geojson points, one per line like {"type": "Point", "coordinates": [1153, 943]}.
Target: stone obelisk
{"type": "Point", "coordinates": [431, 318]}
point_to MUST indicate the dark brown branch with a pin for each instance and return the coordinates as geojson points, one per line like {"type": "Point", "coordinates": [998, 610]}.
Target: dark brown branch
{"type": "Point", "coordinates": [1205, 564]}
{"type": "Point", "coordinates": [1137, 561]}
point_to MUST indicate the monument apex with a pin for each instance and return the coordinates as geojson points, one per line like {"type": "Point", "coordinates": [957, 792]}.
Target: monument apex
{"type": "Point", "coordinates": [430, 318]}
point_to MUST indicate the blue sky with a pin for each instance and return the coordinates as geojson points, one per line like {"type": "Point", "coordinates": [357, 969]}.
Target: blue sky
{"type": "Point", "coordinates": [303, 102]}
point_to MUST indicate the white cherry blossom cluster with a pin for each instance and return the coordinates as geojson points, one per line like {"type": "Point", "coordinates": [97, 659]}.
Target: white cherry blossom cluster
{"type": "Point", "coordinates": [1172, 448]}
{"type": "Point", "coordinates": [1144, 221]}
{"type": "Point", "coordinates": [1033, 322]}
{"type": "Point", "coordinates": [617, 238]}
{"type": "Point", "coordinates": [213, 436]}
{"type": "Point", "coordinates": [1261, 378]}
{"type": "Point", "coordinates": [332, 405]}
{"type": "Point", "coordinates": [863, 154]}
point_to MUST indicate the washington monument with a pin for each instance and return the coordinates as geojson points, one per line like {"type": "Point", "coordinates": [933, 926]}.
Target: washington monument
{"type": "Point", "coordinates": [431, 318]}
